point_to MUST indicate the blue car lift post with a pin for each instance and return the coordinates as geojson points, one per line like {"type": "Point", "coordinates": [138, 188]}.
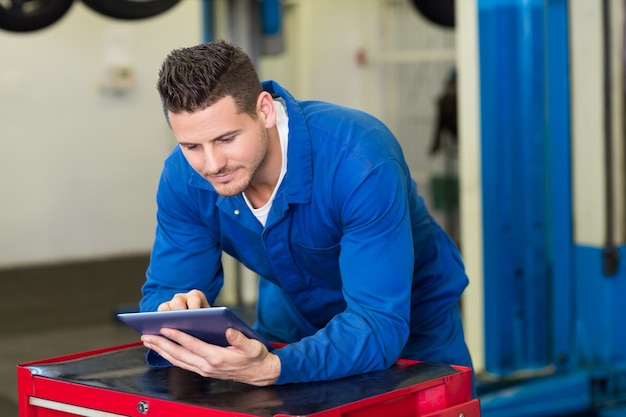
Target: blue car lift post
{"type": "Point", "coordinates": [555, 329]}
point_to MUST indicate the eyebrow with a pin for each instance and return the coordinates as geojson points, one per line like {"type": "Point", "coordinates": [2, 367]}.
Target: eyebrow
{"type": "Point", "coordinates": [222, 136]}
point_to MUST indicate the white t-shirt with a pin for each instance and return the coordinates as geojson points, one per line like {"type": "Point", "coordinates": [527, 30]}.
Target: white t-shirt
{"type": "Point", "coordinates": [282, 124]}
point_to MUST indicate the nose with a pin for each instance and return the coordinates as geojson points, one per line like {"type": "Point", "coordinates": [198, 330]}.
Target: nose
{"type": "Point", "coordinates": [214, 160]}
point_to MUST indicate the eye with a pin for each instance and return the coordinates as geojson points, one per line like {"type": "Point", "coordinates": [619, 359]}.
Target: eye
{"type": "Point", "coordinates": [226, 139]}
{"type": "Point", "coordinates": [190, 146]}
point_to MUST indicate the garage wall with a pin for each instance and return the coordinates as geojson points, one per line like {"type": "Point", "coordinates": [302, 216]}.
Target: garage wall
{"type": "Point", "coordinates": [380, 56]}
{"type": "Point", "coordinates": [78, 165]}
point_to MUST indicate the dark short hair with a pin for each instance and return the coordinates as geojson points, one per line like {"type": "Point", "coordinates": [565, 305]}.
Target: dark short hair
{"type": "Point", "coordinates": [194, 78]}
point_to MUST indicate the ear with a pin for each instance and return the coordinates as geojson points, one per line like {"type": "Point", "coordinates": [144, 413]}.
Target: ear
{"type": "Point", "coordinates": [266, 110]}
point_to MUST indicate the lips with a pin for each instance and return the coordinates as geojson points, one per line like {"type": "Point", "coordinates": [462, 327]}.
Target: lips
{"type": "Point", "coordinates": [223, 178]}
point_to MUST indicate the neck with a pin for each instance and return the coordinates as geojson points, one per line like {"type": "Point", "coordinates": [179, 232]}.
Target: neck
{"type": "Point", "coordinates": [262, 186]}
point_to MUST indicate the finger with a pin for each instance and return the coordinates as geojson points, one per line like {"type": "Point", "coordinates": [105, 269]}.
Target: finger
{"type": "Point", "coordinates": [178, 302]}
{"type": "Point", "coordinates": [176, 354]}
{"type": "Point", "coordinates": [184, 339]}
{"type": "Point", "coordinates": [196, 299]}
{"type": "Point", "coordinates": [206, 355]}
{"type": "Point", "coordinates": [174, 358]}
{"type": "Point", "coordinates": [159, 344]}
{"type": "Point", "coordinates": [164, 306]}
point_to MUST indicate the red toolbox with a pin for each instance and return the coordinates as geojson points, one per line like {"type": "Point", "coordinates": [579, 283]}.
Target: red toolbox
{"type": "Point", "coordinates": [116, 382]}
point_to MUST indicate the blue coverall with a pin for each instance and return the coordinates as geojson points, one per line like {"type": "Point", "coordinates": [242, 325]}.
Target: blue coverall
{"type": "Point", "coordinates": [354, 272]}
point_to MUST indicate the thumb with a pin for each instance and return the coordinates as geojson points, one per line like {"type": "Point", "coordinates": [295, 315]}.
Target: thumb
{"type": "Point", "coordinates": [248, 347]}
{"type": "Point", "coordinates": [236, 339]}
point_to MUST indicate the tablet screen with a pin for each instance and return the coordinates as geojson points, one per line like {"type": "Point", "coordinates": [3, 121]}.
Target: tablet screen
{"type": "Point", "coordinates": [207, 324]}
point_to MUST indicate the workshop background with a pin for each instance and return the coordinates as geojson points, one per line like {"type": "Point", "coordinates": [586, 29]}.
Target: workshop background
{"type": "Point", "coordinates": [83, 139]}
{"type": "Point", "coordinates": [531, 185]}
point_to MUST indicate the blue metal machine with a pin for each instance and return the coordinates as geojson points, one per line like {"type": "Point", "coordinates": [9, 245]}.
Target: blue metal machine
{"type": "Point", "coordinates": [555, 339]}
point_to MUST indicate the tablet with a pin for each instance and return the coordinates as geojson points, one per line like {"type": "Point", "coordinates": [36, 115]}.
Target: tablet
{"type": "Point", "coordinates": [207, 324]}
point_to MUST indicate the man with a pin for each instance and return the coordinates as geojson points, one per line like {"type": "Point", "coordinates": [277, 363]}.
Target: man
{"type": "Point", "coordinates": [315, 198]}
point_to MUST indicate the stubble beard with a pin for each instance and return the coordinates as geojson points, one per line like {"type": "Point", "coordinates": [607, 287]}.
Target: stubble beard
{"type": "Point", "coordinates": [238, 186]}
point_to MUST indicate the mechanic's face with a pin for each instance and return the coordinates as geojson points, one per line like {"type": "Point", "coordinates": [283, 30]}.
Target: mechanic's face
{"type": "Point", "coordinates": [226, 147]}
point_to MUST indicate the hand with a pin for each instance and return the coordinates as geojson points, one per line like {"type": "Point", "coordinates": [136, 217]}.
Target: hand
{"type": "Point", "coordinates": [245, 360]}
{"type": "Point", "coordinates": [184, 301]}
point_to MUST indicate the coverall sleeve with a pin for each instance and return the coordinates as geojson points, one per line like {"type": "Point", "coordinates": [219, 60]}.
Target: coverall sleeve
{"type": "Point", "coordinates": [376, 266]}
{"type": "Point", "coordinates": [186, 253]}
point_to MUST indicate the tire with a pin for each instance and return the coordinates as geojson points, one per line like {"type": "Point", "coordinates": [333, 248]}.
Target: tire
{"type": "Point", "coordinates": [130, 9]}
{"type": "Point", "coordinates": [440, 12]}
{"type": "Point", "coordinates": [28, 15]}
